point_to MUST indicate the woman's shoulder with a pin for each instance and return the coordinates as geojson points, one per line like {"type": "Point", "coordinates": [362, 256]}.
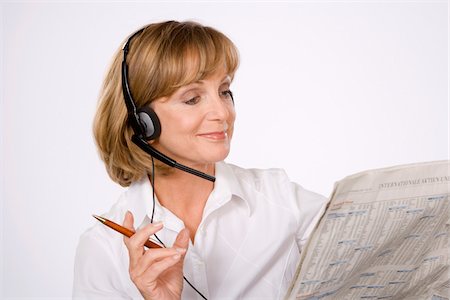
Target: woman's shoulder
{"type": "Point", "coordinates": [258, 174]}
{"type": "Point", "coordinates": [100, 264]}
{"type": "Point", "coordinates": [129, 200]}
{"type": "Point", "coordinates": [273, 181]}
{"type": "Point", "coordinates": [273, 186]}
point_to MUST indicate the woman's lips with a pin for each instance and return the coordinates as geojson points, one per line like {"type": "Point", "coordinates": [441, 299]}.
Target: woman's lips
{"type": "Point", "coordinates": [221, 135]}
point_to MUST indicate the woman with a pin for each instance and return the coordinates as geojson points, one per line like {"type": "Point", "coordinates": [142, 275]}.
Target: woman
{"type": "Point", "coordinates": [239, 236]}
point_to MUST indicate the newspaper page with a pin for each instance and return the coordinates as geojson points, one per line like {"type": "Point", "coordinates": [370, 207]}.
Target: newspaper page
{"type": "Point", "coordinates": [385, 235]}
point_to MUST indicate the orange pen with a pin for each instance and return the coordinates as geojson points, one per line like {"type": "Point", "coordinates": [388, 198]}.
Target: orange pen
{"type": "Point", "coordinates": [125, 231]}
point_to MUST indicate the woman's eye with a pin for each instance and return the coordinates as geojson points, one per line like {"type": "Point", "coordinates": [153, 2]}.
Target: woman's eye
{"type": "Point", "coordinates": [227, 93]}
{"type": "Point", "coordinates": [192, 101]}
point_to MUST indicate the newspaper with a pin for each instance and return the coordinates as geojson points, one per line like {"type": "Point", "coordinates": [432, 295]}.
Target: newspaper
{"type": "Point", "coordinates": [384, 235]}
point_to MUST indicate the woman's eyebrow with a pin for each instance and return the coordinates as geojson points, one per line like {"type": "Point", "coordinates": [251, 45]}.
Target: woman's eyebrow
{"type": "Point", "coordinates": [188, 87]}
{"type": "Point", "coordinates": [196, 84]}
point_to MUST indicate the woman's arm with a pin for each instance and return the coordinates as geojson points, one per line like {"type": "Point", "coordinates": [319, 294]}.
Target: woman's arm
{"type": "Point", "coordinates": [97, 271]}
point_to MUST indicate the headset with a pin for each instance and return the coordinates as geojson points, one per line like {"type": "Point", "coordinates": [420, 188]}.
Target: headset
{"type": "Point", "coordinates": [145, 122]}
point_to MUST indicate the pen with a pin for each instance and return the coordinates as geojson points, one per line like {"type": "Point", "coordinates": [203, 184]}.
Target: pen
{"type": "Point", "coordinates": [124, 231]}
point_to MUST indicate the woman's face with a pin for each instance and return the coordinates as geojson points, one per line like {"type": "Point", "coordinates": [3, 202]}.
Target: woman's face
{"type": "Point", "coordinates": [197, 121]}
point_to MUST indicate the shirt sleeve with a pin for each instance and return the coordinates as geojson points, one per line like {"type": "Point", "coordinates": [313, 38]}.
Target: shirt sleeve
{"type": "Point", "coordinates": [311, 207]}
{"type": "Point", "coordinates": [96, 273]}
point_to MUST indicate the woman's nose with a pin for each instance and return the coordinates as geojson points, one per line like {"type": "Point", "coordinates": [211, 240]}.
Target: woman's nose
{"type": "Point", "coordinates": [219, 108]}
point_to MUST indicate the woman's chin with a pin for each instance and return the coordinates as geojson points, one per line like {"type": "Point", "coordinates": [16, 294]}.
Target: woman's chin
{"type": "Point", "coordinates": [216, 156]}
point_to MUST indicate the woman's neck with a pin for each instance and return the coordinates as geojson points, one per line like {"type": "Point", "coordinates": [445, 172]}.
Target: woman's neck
{"type": "Point", "coordinates": [185, 195]}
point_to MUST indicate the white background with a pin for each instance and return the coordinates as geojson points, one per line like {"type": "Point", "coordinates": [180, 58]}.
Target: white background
{"type": "Point", "coordinates": [325, 89]}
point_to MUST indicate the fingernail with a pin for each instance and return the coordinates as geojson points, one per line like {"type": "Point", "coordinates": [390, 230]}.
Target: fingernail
{"type": "Point", "coordinates": [158, 224]}
{"type": "Point", "coordinates": [176, 256]}
{"type": "Point", "coordinates": [185, 236]}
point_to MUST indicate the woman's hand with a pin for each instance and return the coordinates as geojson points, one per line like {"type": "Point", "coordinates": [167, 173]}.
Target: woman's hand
{"type": "Point", "coordinates": [157, 273]}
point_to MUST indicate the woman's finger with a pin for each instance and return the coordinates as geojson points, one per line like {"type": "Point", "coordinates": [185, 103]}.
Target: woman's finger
{"type": "Point", "coordinates": [133, 254]}
{"type": "Point", "coordinates": [135, 244]}
{"type": "Point", "coordinates": [128, 221]}
{"type": "Point", "coordinates": [153, 257]}
{"type": "Point", "coordinates": [143, 234]}
{"type": "Point", "coordinates": [159, 267]}
{"type": "Point", "coordinates": [182, 240]}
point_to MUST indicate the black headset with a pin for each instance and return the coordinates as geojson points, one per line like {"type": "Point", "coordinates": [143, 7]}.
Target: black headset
{"type": "Point", "coordinates": [145, 122]}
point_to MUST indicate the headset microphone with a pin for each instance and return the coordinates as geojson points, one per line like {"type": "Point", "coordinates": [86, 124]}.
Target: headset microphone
{"type": "Point", "coordinates": [145, 122]}
{"type": "Point", "coordinates": [141, 143]}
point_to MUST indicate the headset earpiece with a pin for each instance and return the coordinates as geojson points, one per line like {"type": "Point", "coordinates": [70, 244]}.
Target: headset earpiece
{"type": "Point", "coordinates": [149, 122]}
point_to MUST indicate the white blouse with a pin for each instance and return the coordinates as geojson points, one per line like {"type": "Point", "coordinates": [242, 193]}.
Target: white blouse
{"type": "Point", "coordinates": [247, 245]}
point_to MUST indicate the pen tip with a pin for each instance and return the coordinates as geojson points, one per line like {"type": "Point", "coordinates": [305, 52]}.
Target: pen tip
{"type": "Point", "coordinates": [99, 218]}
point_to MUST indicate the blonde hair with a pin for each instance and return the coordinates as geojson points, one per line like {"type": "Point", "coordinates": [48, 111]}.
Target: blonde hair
{"type": "Point", "coordinates": [162, 58]}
